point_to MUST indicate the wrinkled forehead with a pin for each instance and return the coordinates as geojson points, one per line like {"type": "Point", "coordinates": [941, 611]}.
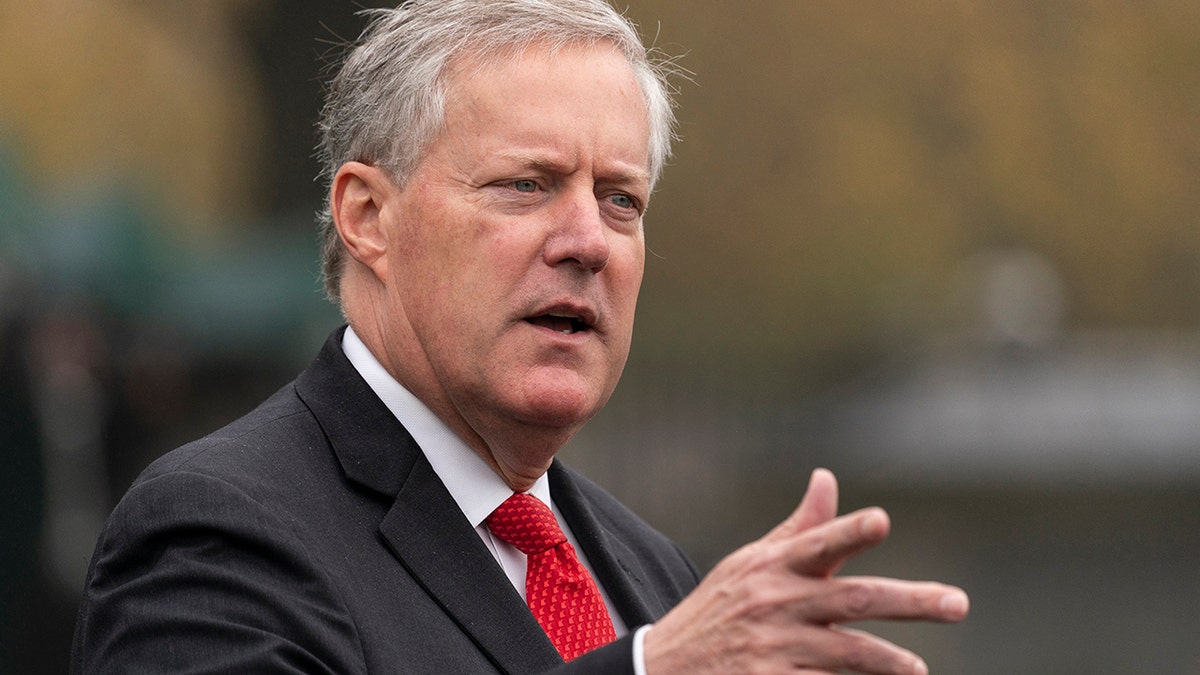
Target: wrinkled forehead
{"type": "Point", "coordinates": [561, 74]}
{"type": "Point", "coordinates": [493, 63]}
{"type": "Point", "coordinates": [456, 75]}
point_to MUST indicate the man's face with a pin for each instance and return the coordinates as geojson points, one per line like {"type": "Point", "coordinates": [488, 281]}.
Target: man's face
{"type": "Point", "coordinates": [515, 250]}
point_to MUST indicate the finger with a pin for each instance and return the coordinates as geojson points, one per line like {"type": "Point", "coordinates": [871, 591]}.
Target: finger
{"type": "Point", "coordinates": [822, 550]}
{"type": "Point", "coordinates": [850, 599]}
{"type": "Point", "coordinates": [818, 506]}
{"type": "Point", "coordinates": [843, 649]}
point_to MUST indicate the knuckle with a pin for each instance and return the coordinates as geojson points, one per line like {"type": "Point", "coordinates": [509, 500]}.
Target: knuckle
{"type": "Point", "coordinates": [854, 656]}
{"type": "Point", "coordinates": [857, 653]}
{"type": "Point", "coordinates": [818, 549]}
{"type": "Point", "coordinates": [857, 600]}
{"type": "Point", "coordinates": [759, 601]}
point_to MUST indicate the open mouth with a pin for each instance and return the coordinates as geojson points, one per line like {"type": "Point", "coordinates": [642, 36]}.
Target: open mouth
{"type": "Point", "coordinates": [565, 324]}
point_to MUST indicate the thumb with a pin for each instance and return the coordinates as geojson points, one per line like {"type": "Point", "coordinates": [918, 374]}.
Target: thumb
{"type": "Point", "coordinates": [818, 506]}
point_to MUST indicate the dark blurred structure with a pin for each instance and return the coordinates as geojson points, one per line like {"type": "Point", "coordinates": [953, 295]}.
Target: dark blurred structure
{"type": "Point", "coordinates": [22, 503]}
{"type": "Point", "coordinates": [951, 251]}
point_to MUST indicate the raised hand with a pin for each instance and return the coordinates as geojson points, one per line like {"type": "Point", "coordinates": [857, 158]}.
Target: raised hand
{"type": "Point", "coordinates": [774, 606]}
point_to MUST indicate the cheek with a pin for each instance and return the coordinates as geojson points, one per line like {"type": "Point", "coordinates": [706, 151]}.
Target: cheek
{"type": "Point", "coordinates": [443, 261]}
{"type": "Point", "coordinates": [627, 275]}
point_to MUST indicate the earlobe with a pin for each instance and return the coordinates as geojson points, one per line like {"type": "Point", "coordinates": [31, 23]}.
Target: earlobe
{"type": "Point", "coordinates": [357, 203]}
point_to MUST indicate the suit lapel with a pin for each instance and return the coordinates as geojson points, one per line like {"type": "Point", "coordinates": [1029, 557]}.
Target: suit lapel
{"type": "Point", "coordinates": [617, 568]}
{"type": "Point", "coordinates": [424, 528]}
{"type": "Point", "coordinates": [446, 556]}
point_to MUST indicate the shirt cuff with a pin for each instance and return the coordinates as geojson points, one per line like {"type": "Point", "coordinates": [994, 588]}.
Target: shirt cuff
{"type": "Point", "coordinates": [639, 649]}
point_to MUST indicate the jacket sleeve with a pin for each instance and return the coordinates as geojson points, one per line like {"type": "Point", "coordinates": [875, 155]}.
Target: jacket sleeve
{"type": "Point", "coordinates": [193, 575]}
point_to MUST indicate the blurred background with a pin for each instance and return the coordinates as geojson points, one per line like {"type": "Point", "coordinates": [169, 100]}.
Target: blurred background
{"type": "Point", "coordinates": [950, 250]}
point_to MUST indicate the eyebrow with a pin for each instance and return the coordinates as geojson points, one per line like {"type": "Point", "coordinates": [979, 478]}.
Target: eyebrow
{"type": "Point", "coordinates": [621, 173]}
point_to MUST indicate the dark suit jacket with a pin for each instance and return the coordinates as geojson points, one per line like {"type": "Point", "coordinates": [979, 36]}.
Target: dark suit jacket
{"type": "Point", "coordinates": [312, 536]}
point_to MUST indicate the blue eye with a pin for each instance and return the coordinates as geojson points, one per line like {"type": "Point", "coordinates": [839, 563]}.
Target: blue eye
{"type": "Point", "coordinates": [623, 201]}
{"type": "Point", "coordinates": [524, 185]}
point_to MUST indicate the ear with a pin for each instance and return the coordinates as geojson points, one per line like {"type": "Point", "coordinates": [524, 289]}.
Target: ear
{"type": "Point", "coordinates": [358, 203]}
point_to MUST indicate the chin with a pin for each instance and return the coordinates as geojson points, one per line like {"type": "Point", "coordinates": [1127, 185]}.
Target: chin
{"type": "Point", "coordinates": [560, 406]}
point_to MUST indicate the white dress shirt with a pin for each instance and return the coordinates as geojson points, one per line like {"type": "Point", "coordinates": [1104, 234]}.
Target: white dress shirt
{"type": "Point", "coordinates": [471, 482]}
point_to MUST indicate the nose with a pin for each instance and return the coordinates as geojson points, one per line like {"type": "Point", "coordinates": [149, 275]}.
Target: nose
{"type": "Point", "coordinates": [579, 235]}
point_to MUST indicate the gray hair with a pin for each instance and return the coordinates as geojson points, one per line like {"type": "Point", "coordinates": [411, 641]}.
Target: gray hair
{"type": "Point", "coordinates": [386, 103]}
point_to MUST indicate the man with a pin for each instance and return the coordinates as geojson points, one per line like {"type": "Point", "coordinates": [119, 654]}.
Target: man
{"type": "Point", "coordinates": [489, 165]}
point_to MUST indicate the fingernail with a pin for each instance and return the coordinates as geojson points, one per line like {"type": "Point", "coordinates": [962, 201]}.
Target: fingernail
{"type": "Point", "coordinates": [919, 668]}
{"type": "Point", "coordinates": [954, 604]}
{"type": "Point", "coordinates": [872, 523]}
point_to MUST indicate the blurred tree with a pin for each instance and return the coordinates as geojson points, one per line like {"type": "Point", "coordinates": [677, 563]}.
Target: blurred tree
{"type": "Point", "coordinates": [840, 161]}
{"type": "Point", "coordinates": [161, 96]}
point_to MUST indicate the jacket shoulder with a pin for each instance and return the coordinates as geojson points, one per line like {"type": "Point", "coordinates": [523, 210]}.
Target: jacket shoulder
{"type": "Point", "coordinates": [252, 447]}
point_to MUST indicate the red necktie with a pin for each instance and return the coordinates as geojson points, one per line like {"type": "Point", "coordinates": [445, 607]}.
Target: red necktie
{"type": "Point", "coordinates": [561, 594]}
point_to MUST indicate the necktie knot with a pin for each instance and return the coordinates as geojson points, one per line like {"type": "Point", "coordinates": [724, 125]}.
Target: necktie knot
{"type": "Point", "coordinates": [527, 523]}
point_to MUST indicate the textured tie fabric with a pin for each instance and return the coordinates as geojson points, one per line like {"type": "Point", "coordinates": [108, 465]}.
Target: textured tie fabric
{"type": "Point", "coordinates": [561, 594]}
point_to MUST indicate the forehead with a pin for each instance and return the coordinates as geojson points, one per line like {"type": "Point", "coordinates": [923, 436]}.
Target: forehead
{"type": "Point", "coordinates": [587, 92]}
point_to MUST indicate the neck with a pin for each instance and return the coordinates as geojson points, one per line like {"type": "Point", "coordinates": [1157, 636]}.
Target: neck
{"type": "Point", "coordinates": [522, 462]}
{"type": "Point", "coordinates": [518, 452]}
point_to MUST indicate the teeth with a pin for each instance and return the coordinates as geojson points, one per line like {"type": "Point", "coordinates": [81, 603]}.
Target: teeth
{"type": "Point", "coordinates": [565, 323]}
{"type": "Point", "coordinates": [572, 321]}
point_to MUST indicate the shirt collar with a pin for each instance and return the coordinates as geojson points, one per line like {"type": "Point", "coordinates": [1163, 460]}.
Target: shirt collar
{"type": "Point", "coordinates": [475, 487]}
